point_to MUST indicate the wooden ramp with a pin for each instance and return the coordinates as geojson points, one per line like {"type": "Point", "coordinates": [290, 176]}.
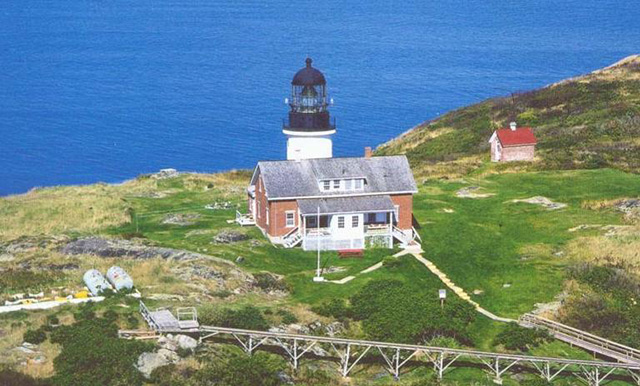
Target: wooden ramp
{"type": "Point", "coordinates": [163, 320]}
{"type": "Point", "coordinates": [582, 339]}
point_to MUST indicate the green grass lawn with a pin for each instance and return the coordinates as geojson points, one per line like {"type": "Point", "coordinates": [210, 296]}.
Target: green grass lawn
{"type": "Point", "coordinates": [483, 244]}
{"type": "Point", "coordinates": [488, 242]}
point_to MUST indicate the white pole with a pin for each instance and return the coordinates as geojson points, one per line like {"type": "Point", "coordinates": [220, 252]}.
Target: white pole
{"type": "Point", "coordinates": [318, 278]}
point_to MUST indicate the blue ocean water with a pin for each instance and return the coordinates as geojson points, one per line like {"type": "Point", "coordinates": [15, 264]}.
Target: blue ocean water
{"type": "Point", "coordinates": [106, 90]}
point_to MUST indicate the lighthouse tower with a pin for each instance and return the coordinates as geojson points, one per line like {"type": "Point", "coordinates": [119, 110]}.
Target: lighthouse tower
{"type": "Point", "coordinates": [309, 128]}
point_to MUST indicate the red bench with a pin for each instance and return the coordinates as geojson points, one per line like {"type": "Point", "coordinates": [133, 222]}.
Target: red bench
{"type": "Point", "coordinates": [350, 253]}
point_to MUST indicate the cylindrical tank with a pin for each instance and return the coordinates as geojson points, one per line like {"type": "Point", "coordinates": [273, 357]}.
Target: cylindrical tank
{"type": "Point", "coordinates": [119, 278]}
{"type": "Point", "coordinates": [96, 283]}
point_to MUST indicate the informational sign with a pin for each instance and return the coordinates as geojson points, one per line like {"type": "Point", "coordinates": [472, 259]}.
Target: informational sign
{"type": "Point", "coordinates": [442, 293]}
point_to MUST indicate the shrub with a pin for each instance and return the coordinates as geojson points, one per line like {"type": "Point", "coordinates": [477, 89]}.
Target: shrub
{"type": "Point", "coordinates": [394, 311]}
{"type": "Point", "coordinates": [35, 336]}
{"type": "Point", "coordinates": [391, 262]}
{"type": "Point", "coordinates": [53, 320]}
{"type": "Point", "coordinates": [514, 337]}
{"type": "Point", "coordinates": [247, 317]}
{"type": "Point", "coordinates": [287, 317]}
{"type": "Point", "coordinates": [92, 353]}
{"type": "Point", "coordinates": [10, 377]}
{"type": "Point", "coordinates": [336, 308]}
{"type": "Point", "coordinates": [241, 370]}
{"type": "Point", "coordinates": [269, 282]}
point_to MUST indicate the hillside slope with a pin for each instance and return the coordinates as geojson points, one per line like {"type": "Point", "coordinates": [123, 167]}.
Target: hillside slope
{"type": "Point", "coordinates": [584, 122]}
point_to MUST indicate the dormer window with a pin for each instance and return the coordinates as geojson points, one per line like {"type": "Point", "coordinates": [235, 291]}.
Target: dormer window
{"type": "Point", "coordinates": [342, 185]}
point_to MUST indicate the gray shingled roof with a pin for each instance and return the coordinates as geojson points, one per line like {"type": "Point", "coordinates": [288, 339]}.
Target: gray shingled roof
{"type": "Point", "coordinates": [345, 204]}
{"type": "Point", "coordinates": [288, 179]}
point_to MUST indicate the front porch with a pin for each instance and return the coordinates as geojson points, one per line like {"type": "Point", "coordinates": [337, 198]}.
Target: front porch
{"type": "Point", "coordinates": [344, 231]}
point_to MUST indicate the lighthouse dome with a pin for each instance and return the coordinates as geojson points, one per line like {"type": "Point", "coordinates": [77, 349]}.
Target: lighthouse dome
{"type": "Point", "coordinates": [308, 76]}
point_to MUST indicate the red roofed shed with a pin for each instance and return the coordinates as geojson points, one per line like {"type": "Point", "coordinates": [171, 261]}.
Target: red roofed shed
{"type": "Point", "coordinates": [513, 144]}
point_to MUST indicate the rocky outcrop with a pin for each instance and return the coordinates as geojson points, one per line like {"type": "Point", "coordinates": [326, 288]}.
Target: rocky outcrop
{"type": "Point", "coordinates": [103, 247]}
{"type": "Point", "coordinates": [227, 237]}
{"type": "Point", "coordinates": [166, 354]}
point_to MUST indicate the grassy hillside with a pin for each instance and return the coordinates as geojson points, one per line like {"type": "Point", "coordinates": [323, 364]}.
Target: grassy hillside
{"type": "Point", "coordinates": [584, 122]}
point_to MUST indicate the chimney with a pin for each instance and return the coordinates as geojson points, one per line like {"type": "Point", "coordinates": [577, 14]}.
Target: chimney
{"type": "Point", "coordinates": [513, 126]}
{"type": "Point", "coordinates": [367, 152]}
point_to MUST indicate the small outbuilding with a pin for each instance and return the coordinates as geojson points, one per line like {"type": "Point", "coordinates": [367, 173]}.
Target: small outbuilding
{"type": "Point", "coordinates": [513, 144]}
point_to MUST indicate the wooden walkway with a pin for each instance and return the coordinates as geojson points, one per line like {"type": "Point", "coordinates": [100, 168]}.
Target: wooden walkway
{"type": "Point", "coordinates": [582, 339]}
{"type": "Point", "coordinates": [394, 356]}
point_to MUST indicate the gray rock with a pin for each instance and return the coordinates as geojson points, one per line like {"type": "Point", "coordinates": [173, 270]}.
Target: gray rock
{"type": "Point", "coordinates": [180, 219]}
{"type": "Point", "coordinates": [284, 378]}
{"type": "Point", "coordinates": [334, 328]}
{"type": "Point", "coordinates": [227, 237]}
{"type": "Point", "coordinates": [186, 342]}
{"type": "Point", "coordinates": [165, 173]}
{"type": "Point", "coordinates": [148, 361]}
{"type": "Point", "coordinates": [125, 248]}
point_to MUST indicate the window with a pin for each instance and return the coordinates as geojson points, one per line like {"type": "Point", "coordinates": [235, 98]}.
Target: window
{"type": "Point", "coordinates": [355, 221]}
{"type": "Point", "coordinates": [326, 185]}
{"type": "Point", "coordinates": [259, 212]}
{"type": "Point", "coordinates": [340, 221]}
{"type": "Point", "coordinates": [267, 216]}
{"type": "Point", "coordinates": [371, 218]}
{"type": "Point", "coordinates": [290, 218]}
{"type": "Point", "coordinates": [348, 184]}
{"type": "Point", "coordinates": [396, 212]}
{"type": "Point", "coordinates": [312, 222]}
{"type": "Point", "coordinates": [336, 184]}
{"type": "Point", "coordinates": [357, 184]}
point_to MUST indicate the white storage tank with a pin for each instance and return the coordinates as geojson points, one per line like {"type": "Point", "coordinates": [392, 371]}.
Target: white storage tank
{"type": "Point", "coordinates": [96, 283]}
{"type": "Point", "coordinates": [119, 278]}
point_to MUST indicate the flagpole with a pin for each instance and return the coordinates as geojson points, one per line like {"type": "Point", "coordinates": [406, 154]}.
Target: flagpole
{"type": "Point", "coordinates": [318, 278]}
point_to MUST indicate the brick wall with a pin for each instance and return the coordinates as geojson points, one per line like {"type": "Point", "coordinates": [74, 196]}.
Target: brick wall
{"type": "Point", "coordinates": [518, 153]}
{"type": "Point", "coordinates": [405, 215]}
{"type": "Point", "coordinates": [277, 220]}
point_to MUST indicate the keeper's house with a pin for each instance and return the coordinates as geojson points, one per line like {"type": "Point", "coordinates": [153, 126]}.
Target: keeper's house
{"type": "Point", "coordinates": [513, 144]}
{"type": "Point", "coordinates": [321, 202]}
{"type": "Point", "coordinates": [336, 203]}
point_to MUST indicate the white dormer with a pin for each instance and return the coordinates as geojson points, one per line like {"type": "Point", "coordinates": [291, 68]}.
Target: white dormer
{"type": "Point", "coordinates": [342, 184]}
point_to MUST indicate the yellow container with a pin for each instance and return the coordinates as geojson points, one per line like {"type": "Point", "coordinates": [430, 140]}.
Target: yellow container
{"type": "Point", "coordinates": [81, 295]}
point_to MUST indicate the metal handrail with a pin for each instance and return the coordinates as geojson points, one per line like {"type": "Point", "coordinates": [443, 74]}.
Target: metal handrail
{"type": "Point", "coordinates": [581, 335]}
{"type": "Point", "coordinates": [385, 345]}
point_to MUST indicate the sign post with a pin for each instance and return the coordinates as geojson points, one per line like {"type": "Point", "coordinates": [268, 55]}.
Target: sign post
{"type": "Point", "coordinates": [442, 294]}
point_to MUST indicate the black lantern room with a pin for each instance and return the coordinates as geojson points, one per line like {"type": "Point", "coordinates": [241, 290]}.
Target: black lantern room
{"type": "Point", "coordinates": [309, 105]}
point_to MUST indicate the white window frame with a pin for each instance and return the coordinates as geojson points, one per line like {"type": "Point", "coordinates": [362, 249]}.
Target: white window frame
{"type": "Point", "coordinates": [358, 184]}
{"type": "Point", "coordinates": [288, 213]}
{"type": "Point", "coordinates": [355, 221]}
{"type": "Point", "coordinates": [341, 222]}
{"type": "Point", "coordinates": [259, 211]}
{"type": "Point", "coordinates": [348, 184]}
{"type": "Point", "coordinates": [326, 185]}
{"type": "Point", "coordinates": [267, 214]}
{"type": "Point", "coordinates": [336, 184]}
{"type": "Point", "coordinates": [396, 212]}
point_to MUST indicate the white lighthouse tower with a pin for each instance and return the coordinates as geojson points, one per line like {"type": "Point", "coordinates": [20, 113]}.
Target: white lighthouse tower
{"type": "Point", "coordinates": [309, 128]}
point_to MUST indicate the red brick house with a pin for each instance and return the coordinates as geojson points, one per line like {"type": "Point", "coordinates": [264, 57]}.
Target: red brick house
{"type": "Point", "coordinates": [513, 144]}
{"type": "Point", "coordinates": [334, 203]}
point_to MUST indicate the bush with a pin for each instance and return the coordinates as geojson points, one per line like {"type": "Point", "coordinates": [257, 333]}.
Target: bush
{"type": "Point", "coordinates": [241, 370]}
{"type": "Point", "coordinates": [394, 311]}
{"type": "Point", "coordinates": [336, 308]}
{"type": "Point", "coordinates": [269, 282]}
{"type": "Point", "coordinates": [35, 336]}
{"type": "Point", "coordinates": [287, 317]}
{"type": "Point", "coordinates": [10, 377]}
{"type": "Point", "coordinates": [391, 262]}
{"type": "Point", "coordinates": [514, 337]}
{"type": "Point", "coordinates": [247, 317]}
{"type": "Point", "coordinates": [92, 353]}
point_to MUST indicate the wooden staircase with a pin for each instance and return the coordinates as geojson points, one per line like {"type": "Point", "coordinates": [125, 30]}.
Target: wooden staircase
{"type": "Point", "coordinates": [292, 238]}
